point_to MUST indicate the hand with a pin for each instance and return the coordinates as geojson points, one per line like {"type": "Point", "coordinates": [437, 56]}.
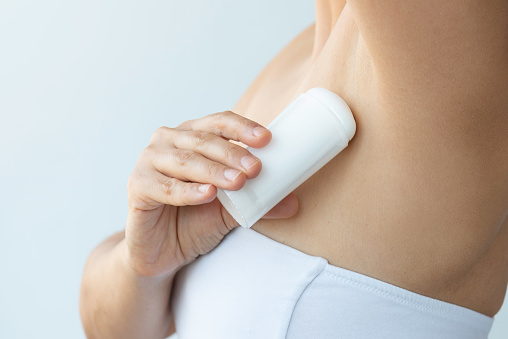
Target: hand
{"type": "Point", "coordinates": [173, 214]}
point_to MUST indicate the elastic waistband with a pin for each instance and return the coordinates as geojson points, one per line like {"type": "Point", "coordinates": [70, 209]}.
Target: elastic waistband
{"type": "Point", "coordinates": [411, 299]}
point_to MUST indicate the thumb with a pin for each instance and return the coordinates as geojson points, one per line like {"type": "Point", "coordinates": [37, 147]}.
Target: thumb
{"type": "Point", "coordinates": [286, 208]}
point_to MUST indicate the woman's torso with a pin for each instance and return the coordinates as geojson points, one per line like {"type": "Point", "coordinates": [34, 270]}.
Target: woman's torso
{"type": "Point", "coordinates": [405, 202]}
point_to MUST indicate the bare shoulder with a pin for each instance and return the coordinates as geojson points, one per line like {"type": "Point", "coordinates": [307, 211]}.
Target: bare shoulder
{"type": "Point", "coordinates": [282, 65]}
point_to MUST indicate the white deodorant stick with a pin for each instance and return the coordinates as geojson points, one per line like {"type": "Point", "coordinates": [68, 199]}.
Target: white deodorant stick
{"type": "Point", "coordinates": [306, 135]}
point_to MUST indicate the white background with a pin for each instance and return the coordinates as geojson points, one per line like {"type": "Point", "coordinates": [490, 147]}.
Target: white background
{"type": "Point", "coordinates": [83, 85]}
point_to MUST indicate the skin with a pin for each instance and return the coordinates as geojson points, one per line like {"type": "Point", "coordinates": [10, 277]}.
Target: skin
{"type": "Point", "coordinates": [418, 199]}
{"type": "Point", "coordinates": [127, 281]}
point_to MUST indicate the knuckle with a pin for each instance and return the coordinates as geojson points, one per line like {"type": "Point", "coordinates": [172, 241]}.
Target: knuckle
{"type": "Point", "coordinates": [176, 191]}
{"type": "Point", "coordinates": [133, 181]}
{"type": "Point", "coordinates": [184, 125]}
{"type": "Point", "coordinates": [219, 120]}
{"type": "Point", "coordinates": [212, 170]}
{"type": "Point", "coordinates": [146, 154]}
{"type": "Point", "coordinates": [159, 134]}
{"type": "Point", "coordinates": [215, 117]}
{"type": "Point", "coordinates": [130, 182]}
{"type": "Point", "coordinates": [229, 113]}
{"type": "Point", "coordinates": [230, 153]}
{"type": "Point", "coordinates": [223, 114]}
{"type": "Point", "coordinates": [183, 157]}
{"type": "Point", "coordinates": [184, 191]}
{"type": "Point", "coordinates": [230, 121]}
{"type": "Point", "coordinates": [201, 138]}
{"type": "Point", "coordinates": [168, 186]}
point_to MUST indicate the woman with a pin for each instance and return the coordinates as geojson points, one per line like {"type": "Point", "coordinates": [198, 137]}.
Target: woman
{"type": "Point", "coordinates": [418, 200]}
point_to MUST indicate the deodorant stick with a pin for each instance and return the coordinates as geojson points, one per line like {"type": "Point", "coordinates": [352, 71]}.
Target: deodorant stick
{"type": "Point", "coordinates": [306, 135]}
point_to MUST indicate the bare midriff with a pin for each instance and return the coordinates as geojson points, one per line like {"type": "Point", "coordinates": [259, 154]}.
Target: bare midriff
{"type": "Point", "coordinates": [407, 202]}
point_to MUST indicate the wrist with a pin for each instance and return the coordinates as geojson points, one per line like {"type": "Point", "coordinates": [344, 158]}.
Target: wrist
{"type": "Point", "coordinates": [140, 272]}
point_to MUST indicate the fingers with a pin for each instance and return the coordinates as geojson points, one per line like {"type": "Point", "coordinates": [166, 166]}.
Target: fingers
{"type": "Point", "coordinates": [230, 125]}
{"type": "Point", "coordinates": [177, 160]}
{"type": "Point", "coordinates": [187, 165]}
{"type": "Point", "coordinates": [215, 148]}
{"type": "Point", "coordinates": [286, 208]}
{"type": "Point", "coordinates": [152, 188]}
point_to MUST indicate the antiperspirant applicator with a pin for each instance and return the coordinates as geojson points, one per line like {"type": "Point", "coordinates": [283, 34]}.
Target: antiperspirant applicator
{"type": "Point", "coordinates": [306, 135]}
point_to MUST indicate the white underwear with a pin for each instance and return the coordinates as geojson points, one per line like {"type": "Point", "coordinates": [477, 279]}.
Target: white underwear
{"type": "Point", "coordinates": [251, 286]}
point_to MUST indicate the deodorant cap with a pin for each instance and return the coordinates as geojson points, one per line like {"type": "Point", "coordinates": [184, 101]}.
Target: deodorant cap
{"type": "Point", "coordinates": [336, 105]}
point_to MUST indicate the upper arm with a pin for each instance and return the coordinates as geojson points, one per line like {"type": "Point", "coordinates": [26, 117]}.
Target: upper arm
{"type": "Point", "coordinates": [435, 46]}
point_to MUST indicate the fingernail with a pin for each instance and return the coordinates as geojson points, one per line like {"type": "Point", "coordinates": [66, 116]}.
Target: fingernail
{"type": "Point", "coordinates": [257, 131]}
{"type": "Point", "coordinates": [203, 188]}
{"type": "Point", "coordinates": [231, 174]}
{"type": "Point", "coordinates": [248, 162]}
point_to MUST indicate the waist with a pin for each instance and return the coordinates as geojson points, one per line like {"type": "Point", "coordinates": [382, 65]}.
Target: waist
{"type": "Point", "coordinates": [251, 286]}
{"type": "Point", "coordinates": [427, 230]}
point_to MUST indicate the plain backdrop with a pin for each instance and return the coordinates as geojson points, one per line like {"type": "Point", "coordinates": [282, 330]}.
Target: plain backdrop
{"type": "Point", "coordinates": [83, 85]}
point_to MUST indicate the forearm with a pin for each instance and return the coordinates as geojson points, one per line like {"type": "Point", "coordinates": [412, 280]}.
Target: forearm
{"type": "Point", "coordinates": [115, 302]}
